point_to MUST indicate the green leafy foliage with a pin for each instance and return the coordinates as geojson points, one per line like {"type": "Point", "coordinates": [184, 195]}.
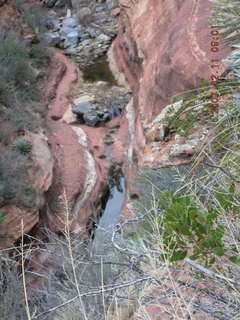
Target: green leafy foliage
{"type": "Point", "coordinates": [18, 83]}
{"type": "Point", "coordinates": [187, 227]}
{"type": "Point", "coordinates": [35, 16]}
{"type": "Point", "coordinates": [20, 111]}
{"type": "Point", "coordinates": [15, 185]}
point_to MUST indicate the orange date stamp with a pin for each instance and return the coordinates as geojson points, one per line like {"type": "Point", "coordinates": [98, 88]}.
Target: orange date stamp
{"type": "Point", "coordinates": [215, 65]}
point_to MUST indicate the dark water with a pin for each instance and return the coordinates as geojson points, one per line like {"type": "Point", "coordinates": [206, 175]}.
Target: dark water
{"type": "Point", "coordinates": [111, 212]}
{"type": "Point", "coordinates": [99, 71]}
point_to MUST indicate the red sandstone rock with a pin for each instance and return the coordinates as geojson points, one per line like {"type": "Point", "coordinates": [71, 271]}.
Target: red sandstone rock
{"type": "Point", "coordinates": [11, 225]}
{"type": "Point", "coordinates": [41, 175]}
{"type": "Point", "coordinates": [162, 48]}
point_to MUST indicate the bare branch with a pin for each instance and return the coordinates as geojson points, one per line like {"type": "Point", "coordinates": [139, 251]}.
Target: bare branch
{"type": "Point", "coordinates": [214, 165]}
{"type": "Point", "coordinates": [94, 293]}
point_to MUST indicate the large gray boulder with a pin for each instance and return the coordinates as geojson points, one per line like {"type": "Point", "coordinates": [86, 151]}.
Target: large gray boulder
{"type": "Point", "coordinates": [71, 39]}
{"type": "Point", "coordinates": [70, 22]}
{"type": "Point", "coordinates": [83, 35]}
{"type": "Point", "coordinates": [65, 31]}
{"type": "Point", "coordinates": [82, 108]}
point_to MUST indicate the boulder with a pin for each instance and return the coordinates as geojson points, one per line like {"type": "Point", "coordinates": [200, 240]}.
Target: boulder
{"type": "Point", "coordinates": [84, 98]}
{"type": "Point", "coordinates": [83, 35]}
{"type": "Point", "coordinates": [91, 118]}
{"type": "Point", "coordinates": [93, 32]}
{"type": "Point", "coordinates": [71, 39]}
{"type": "Point", "coordinates": [65, 31]}
{"type": "Point", "coordinates": [103, 38]}
{"type": "Point", "coordinates": [71, 51]}
{"type": "Point", "coordinates": [86, 43]}
{"type": "Point", "coordinates": [104, 115]}
{"type": "Point", "coordinates": [51, 38]}
{"type": "Point", "coordinates": [82, 108]}
{"type": "Point", "coordinates": [70, 22]}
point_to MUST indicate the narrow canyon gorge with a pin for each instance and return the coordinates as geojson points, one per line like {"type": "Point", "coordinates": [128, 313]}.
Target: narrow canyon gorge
{"type": "Point", "coordinates": [108, 96]}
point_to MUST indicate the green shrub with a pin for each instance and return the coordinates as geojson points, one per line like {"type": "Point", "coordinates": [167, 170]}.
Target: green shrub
{"type": "Point", "coordinates": [15, 184]}
{"type": "Point", "coordinates": [22, 118]}
{"type": "Point", "coordinates": [22, 144]}
{"type": "Point", "coordinates": [40, 55]}
{"type": "Point", "coordinates": [17, 81]}
{"type": "Point", "coordinates": [186, 225]}
{"type": "Point", "coordinates": [36, 17]}
{"type": "Point", "coordinates": [14, 60]}
{"type": "Point", "coordinates": [13, 168]}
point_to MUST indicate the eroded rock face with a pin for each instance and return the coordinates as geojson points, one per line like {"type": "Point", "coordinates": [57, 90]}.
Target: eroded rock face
{"type": "Point", "coordinates": [11, 227]}
{"type": "Point", "coordinates": [162, 48]}
{"type": "Point", "coordinates": [18, 219]}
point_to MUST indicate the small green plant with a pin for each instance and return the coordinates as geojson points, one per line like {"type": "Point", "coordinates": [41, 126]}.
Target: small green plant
{"type": "Point", "coordinates": [189, 229]}
{"type": "Point", "coordinates": [23, 145]}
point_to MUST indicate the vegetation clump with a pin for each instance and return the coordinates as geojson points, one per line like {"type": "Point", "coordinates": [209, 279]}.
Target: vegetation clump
{"type": "Point", "coordinates": [21, 111]}
{"type": "Point", "coordinates": [22, 144]}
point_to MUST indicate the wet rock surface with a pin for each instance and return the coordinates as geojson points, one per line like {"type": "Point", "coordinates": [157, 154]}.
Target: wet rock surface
{"type": "Point", "coordinates": [85, 33]}
{"type": "Point", "coordinates": [96, 103]}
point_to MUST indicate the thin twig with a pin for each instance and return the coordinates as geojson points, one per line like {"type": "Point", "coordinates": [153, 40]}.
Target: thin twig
{"type": "Point", "coordinates": [214, 165]}
{"type": "Point", "coordinates": [209, 272]}
{"type": "Point", "coordinates": [94, 293]}
{"type": "Point", "coordinates": [70, 250]}
{"type": "Point", "coordinates": [187, 260]}
{"type": "Point", "coordinates": [23, 275]}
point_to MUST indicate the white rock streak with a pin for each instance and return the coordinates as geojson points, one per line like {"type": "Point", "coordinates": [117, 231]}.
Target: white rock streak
{"type": "Point", "coordinates": [91, 176]}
